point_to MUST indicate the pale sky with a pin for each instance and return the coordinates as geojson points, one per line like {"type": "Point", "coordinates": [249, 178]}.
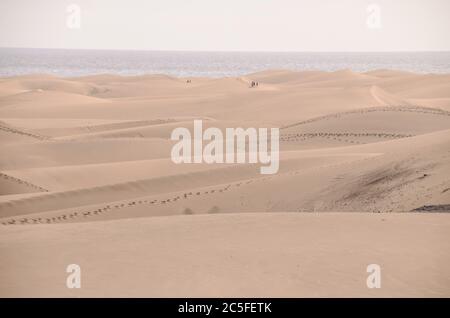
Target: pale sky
{"type": "Point", "coordinates": [228, 25]}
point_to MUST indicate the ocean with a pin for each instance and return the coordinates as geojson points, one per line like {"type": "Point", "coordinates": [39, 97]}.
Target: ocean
{"type": "Point", "coordinates": [62, 62]}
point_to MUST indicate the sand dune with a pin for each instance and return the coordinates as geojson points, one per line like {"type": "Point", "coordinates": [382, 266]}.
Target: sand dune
{"type": "Point", "coordinates": [406, 120]}
{"type": "Point", "coordinates": [87, 159]}
{"type": "Point", "coordinates": [66, 152]}
{"type": "Point", "coordinates": [237, 255]}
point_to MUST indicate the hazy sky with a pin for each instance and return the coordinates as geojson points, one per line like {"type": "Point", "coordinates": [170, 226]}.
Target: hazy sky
{"type": "Point", "coordinates": [241, 25]}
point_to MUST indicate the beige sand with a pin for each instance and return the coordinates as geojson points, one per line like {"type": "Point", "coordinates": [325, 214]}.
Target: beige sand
{"type": "Point", "coordinates": [86, 177]}
{"type": "Point", "coordinates": [231, 255]}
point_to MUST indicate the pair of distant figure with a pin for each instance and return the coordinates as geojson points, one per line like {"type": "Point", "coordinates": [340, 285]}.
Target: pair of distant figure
{"type": "Point", "coordinates": [254, 84]}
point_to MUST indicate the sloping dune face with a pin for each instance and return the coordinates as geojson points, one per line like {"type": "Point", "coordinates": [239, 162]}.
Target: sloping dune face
{"type": "Point", "coordinates": [95, 151]}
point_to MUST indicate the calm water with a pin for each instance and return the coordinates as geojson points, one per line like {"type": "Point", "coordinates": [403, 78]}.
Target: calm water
{"type": "Point", "coordinates": [213, 64]}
